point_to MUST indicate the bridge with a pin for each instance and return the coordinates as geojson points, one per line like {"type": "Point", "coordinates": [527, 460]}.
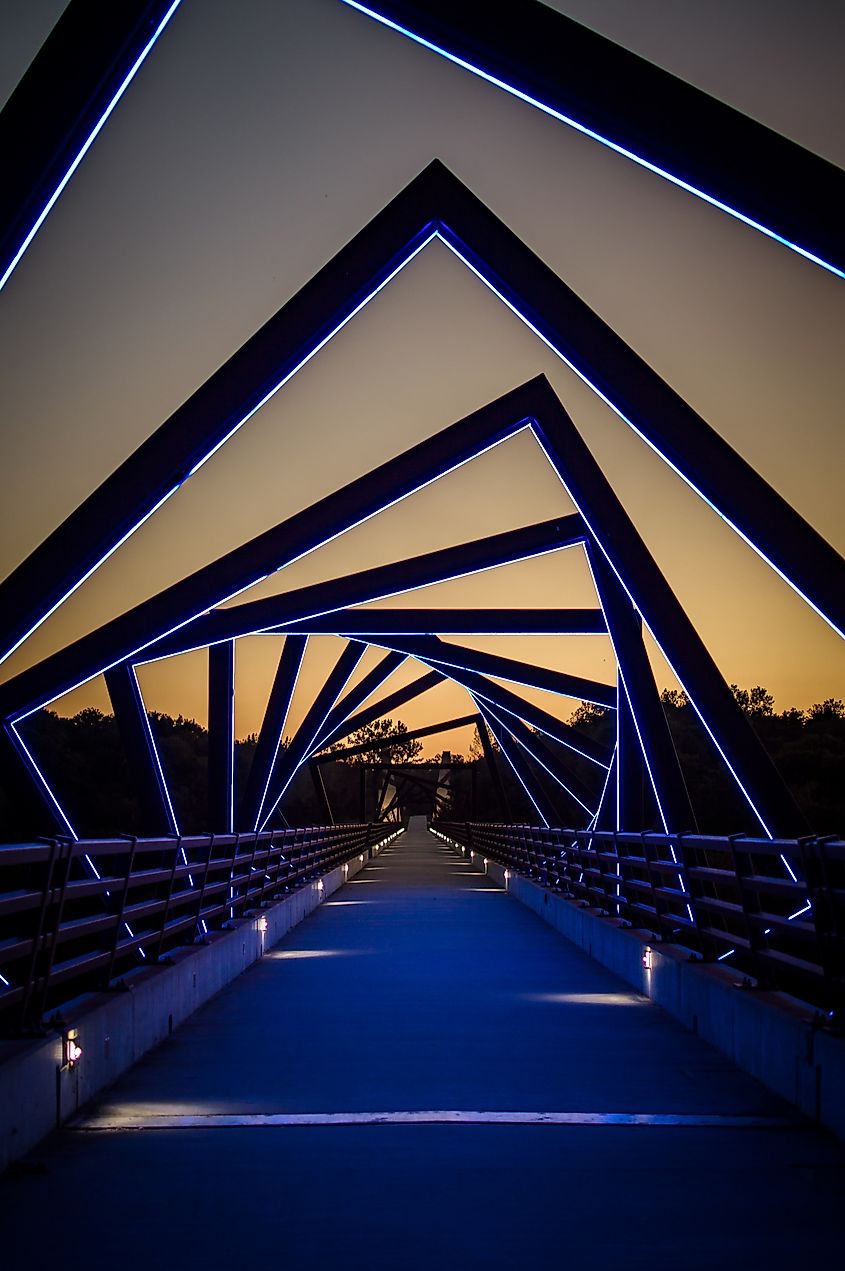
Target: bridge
{"type": "Point", "coordinates": [485, 1013]}
{"type": "Point", "coordinates": [424, 1073]}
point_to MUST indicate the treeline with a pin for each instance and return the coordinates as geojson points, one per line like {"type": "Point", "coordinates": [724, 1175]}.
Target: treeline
{"type": "Point", "coordinates": [82, 757]}
{"type": "Point", "coordinates": [807, 748]}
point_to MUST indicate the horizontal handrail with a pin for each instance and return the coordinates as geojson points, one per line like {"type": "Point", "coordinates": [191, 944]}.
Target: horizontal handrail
{"type": "Point", "coordinates": [773, 908]}
{"type": "Point", "coordinates": [75, 916]}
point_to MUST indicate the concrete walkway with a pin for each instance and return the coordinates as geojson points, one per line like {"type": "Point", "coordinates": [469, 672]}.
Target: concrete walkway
{"type": "Point", "coordinates": [422, 987]}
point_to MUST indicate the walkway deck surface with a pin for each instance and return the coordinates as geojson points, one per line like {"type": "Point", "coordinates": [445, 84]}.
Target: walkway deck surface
{"type": "Point", "coordinates": [422, 986]}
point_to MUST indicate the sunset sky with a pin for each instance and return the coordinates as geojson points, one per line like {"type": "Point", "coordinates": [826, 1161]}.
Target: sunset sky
{"type": "Point", "coordinates": [256, 141]}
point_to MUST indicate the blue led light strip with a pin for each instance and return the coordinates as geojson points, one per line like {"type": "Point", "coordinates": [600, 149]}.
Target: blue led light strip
{"type": "Point", "coordinates": [308, 751]}
{"type": "Point", "coordinates": [691, 700]}
{"type": "Point", "coordinates": [322, 343]}
{"type": "Point", "coordinates": [271, 766]}
{"type": "Point", "coordinates": [92, 137]}
{"type": "Point", "coordinates": [264, 400]}
{"type": "Point", "coordinates": [435, 664]}
{"type": "Point", "coordinates": [132, 656]}
{"type": "Point", "coordinates": [498, 713]}
{"type": "Point", "coordinates": [24, 751]}
{"type": "Point", "coordinates": [597, 136]}
{"type": "Point", "coordinates": [153, 750]}
{"type": "Point", "coordinates": [625, 420]}
{"type": "Point", "coordinates": [504, 751]}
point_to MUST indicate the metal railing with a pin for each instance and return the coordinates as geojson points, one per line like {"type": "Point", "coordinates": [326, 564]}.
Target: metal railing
{"type": "Point", "coordinates": [77, 915]}
{"type": "Point", "coordinates": [775, 909]}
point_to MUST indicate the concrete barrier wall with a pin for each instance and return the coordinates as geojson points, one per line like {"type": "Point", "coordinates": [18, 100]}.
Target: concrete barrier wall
{"type": "Point", "coordinates": [38, 1093]}
{"type": "Point", "coordinates": [773, 1036]}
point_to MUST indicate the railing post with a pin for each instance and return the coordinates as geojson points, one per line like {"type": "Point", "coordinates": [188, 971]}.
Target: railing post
{"type": "Point", "coordinates": [121, 909]}
{"type": "Point", "coordinates": [169, 898]}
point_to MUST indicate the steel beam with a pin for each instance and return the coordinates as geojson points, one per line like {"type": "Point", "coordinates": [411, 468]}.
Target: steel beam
{"type": "Point", "coordinates": [435, 203]}
{"type": "Point", "coordinates": [541, 752]}
{"type": "Point", "coordinates": [606, 815]}
{"type": "Point", "coordinates": [633, 564]}
{"type": "Point", "coordinates": [359, 694]}
{"type": "Point", "coordinates": [180, 446]}
{"type": "Point", "coordinates": [154, 804]}
{"type": "Point", "coordinates": [19, 765]}
{"type": "Point", "coordinates": [302, 742]}
{"type": "Point", "coordinates": [639, 110]}
{"type": "Point", "coordinates": [493, 767]}
{"type": "Point", "coordinates": [61, 104]}
{"type": "Point", "coordinates": [221, 737]}
{"type": "Point", "coordinates": [435, 652]}
{"type": "Point", "coordinates": [382, 743]}
{"type": "Point", "coordinates": [367, 622]}
{"type": "Point", "coordinates": [545, 808]}
{"type": "Point", "coordinates": [479, 686]}
{"type": "Point", "coordinates": [279, 614]}
{"type": "Point", "coordinates": [379, 709]}
{"type": "Point", "coordinates": [629, 772]}
{"type": "Point", "coordinates": [181, 608]}
{"type": "Point", "coordinates": [272, 730]}
{"type": "Point", "coordinates": [643, 712]}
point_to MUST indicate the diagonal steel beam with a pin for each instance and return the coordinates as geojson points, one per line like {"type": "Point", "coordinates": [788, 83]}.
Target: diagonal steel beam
{"type": "Point", "coordinates": [124, 638]}
{"type": "Point", "coordinates": [302, 743]}
{"type": "Point", "coordinates": [480, 687]}
{"type": "Point", "coordinates": [61, 105]}
{"type": "Point", "coordinates": [543, 755]}
{"type": "Point", "coordinates": [359, 694]}
{"type": "Point", "coordinates": [493, 767]}
{"type": "Point", "coordinates": [272, 730]}
{"type": "Point", "coordinates": [20, 767]}
{"type": "Point", "coordinates": [382, 743]}
{"type": "Point", "coordinates": [538, 796]}
{"type": "Point", "coordinates": [434, 204]}
{"type": "Point", "coordinates": [221, 737]}
{"type": "Point", "coordinates": [435, 652]}
{"type": "Point", "coordinates": [639, 110]}
{"type": "Point", "coordinates": [154, 802]}
{"type": "Point", "coordinates": [640, 576]}
{"type": "Point", "coordinates": [282, 613]}
{"type": "Point", "coordinates": [378, 709]}
{"type": "Point", "coordinates": [646, 710]}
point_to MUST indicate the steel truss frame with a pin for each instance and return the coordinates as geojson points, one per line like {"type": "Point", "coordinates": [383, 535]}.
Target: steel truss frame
{"type": "Point", "coordinates": [622, 569]}
{"type": "Point", "coordinates": [629, 584]}
{"type": "Point", "coordinates": [434, 205]}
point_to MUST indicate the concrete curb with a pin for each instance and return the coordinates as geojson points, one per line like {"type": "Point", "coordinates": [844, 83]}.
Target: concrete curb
{"type": "Point", "coordinates": [774, 1037]}
{"type": "Point", "coordinates": [37, 1094]}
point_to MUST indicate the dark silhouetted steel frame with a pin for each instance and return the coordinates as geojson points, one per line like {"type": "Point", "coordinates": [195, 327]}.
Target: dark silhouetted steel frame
{"type": "Point", "coordinates": [624, 572]}
{"type": "Point", "coordinates": [435, 204]}
{"type": "Point", "coordinates": [640, 110]}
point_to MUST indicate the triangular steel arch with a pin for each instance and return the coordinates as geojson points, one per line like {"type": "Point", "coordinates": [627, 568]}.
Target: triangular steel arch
{"type": "Point", "coordinates": [434, 204]}
{"type": "Point", "coordinates": [627, 578]}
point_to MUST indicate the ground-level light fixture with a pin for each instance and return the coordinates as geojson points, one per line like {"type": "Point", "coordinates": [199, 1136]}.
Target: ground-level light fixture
{"type": "Point", "coordinates": [648, 958]}
{"type": "Point", "coordinates": [72, 1051]}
